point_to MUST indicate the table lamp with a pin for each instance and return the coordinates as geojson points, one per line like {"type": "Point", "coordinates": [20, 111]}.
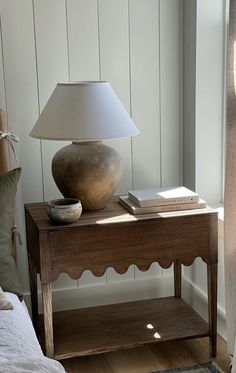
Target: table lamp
{"type": "Point", "coordinates": [85, 113]}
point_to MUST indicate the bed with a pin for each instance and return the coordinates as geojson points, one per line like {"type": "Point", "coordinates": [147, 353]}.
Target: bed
{"type": "Point", "coordinates": [20, 351]}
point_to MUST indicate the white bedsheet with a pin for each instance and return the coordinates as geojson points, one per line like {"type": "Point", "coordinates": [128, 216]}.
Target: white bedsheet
{"type": "Point", "coordinates": [20, 351]}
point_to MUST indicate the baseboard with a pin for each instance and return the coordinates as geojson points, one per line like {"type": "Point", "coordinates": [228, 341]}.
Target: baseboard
{"type": "Point", "coordinates": [115, 292]}
{"type": "Point", "coordinates": [198, 300]}
{"type": "Point", "coordinates": [126, 291]}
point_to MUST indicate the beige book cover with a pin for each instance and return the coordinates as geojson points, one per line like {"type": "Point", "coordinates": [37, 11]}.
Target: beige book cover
{"type": "Point", "coordinates": [163, 196]}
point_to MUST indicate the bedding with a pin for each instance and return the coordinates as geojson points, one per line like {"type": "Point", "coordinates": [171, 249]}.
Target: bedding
{"type": "Point", "coordinates": [27, 365]}
{"type": "Point", "coordinates": [20, 351]}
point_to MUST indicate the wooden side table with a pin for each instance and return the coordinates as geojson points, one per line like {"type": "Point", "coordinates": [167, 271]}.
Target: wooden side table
{"type": "Point", "coordinates": [114, 238]}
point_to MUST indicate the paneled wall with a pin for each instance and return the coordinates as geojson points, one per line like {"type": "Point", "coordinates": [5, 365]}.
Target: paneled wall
{"type": "Point", "coordinates": [205, 45]}
{"type": "Point", "coordinates": [134, 44]}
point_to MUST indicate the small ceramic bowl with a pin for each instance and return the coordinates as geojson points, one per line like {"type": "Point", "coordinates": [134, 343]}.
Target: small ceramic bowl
{"type": "Point", "coordinates": [65, 210]}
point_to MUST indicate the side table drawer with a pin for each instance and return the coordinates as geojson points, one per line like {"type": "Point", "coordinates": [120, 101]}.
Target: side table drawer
{"type": "Point", "coordinates": [114, 245]}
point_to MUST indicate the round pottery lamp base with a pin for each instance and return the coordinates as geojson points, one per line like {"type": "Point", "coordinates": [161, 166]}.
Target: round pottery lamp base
{"type": "Point", "coordinates": [89, 171]}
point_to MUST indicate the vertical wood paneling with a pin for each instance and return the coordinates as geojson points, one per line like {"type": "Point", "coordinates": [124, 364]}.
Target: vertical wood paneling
{"type": "Point", "coordinates": [189, 40]}
{"type": "Point", "coordinates": [84, 64]}
{"type": "Point", "coordinates": [144, 65]}
{"type": "Point", "coordinates": [51, 46]}
{"type": "Point", "coordinates": [21, 89]}
{"type": "Point", "coordinates": [210, 92]}
{"type": "Point", "coordinates": [114, 46]}
{"type": "Point", "coordinates": [52, 64]}
{"type": "Point", "coordinates": [189, 110]}
{"type": "Point", "coordinates": [114, 60]}
{"type": "Point", "coordinates": [170, 91]}
{"type": "Point", "coordinates": [144, 69]}
{"type": "Point", "coordinates": [181, 91]}
{"type": "Point", "coordinates": [83, 39]}
{"type": "Point", "coordinates": [170, 95]}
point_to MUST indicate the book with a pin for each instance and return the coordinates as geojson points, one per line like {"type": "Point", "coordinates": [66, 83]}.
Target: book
{"type": "Point", "coordinates": [162, 196]}
{"type": "Point", "coordinates": [136, 210]}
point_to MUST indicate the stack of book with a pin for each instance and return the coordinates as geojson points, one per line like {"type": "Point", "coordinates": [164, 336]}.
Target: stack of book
{"type": "Point", "coordinates": [148, 201]}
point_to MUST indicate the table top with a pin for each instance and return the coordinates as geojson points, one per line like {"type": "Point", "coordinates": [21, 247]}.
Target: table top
{"type": "Point", "coordinates": [113, 213]}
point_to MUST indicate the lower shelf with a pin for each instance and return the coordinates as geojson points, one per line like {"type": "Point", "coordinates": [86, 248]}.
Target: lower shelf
{"type": "Point", "coordinates": [107, 328]}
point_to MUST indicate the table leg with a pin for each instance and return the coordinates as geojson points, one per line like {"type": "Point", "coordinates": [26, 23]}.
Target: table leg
{"type": "Point", "coordinates": [177, 278]}
{"type": "Point", "coordinates": [33, 292]}
{"type": "Point", "coordinates": [48, 319]}
{"type": "Point", "coordinates": [212, 307]}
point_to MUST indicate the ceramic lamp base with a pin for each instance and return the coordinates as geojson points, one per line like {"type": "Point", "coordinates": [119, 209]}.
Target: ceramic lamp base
{"type": "Point", "coordinates": [89, 171]}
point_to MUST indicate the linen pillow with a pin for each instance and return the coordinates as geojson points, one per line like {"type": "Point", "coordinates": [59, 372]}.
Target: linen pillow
{"type": "Point", "coordinates": [9, 280]}
{"type": "Point", "coordinates": [4, 303]}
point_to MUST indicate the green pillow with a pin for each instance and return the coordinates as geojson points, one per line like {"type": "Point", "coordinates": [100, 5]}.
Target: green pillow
{"type": "Point", "coordinates": [9, 280]}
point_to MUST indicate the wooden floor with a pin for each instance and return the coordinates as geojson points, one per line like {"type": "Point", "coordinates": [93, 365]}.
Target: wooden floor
{"type": "Point", "coordinates": [150, 358]}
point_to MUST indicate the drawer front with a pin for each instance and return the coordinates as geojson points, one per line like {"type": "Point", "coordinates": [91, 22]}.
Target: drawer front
{"type": "Point", "coordinates": [100, 246]}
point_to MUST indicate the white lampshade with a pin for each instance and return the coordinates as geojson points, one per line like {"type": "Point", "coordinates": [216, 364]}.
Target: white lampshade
{"type": "Point", "coordinates": [83, 111]}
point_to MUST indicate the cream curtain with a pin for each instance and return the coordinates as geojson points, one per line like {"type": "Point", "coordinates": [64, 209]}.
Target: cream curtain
{"type": "Point", "coordinates": [230, 189]}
